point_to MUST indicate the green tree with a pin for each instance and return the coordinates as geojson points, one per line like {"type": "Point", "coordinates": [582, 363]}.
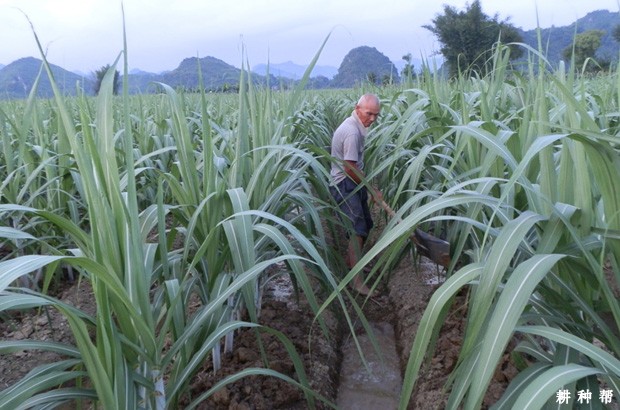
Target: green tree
{"type": "Point", "coordinates": [616, 33]}
{"type": "Point", "coordinates": [372, 77]}
{"type": "Point", "coordinates": [99, 74]}
{"type": "Point", "coordinates": [318, 82]}
{"type": "Point", "coordinates": [468, 37]}
{"type": "Point", "coordinates": [584, 47]}
{"type": "Point", "coordinates": [407, 72]}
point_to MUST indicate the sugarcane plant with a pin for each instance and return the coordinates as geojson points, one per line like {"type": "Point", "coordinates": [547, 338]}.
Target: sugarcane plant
{"type": "Point", "coordinates": [143, 346]}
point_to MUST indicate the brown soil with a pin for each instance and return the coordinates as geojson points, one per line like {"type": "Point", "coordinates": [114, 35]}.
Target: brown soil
{"type": "Point", "coordinates": [401, 299]}
{"type": "Point", "coordinates": [410, 289]}
{"type": "Point", "coordinates": [47, 325]}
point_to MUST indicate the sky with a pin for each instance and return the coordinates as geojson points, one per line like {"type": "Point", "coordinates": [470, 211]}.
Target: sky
{"type": "Point", "coordinates": [84, 35]}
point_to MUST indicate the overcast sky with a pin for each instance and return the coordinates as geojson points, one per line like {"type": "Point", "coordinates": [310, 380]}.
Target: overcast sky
{"type": "Point", "coordinates": [83, 35]}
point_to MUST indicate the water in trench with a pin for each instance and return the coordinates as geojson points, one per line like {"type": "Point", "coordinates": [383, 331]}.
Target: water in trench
{"type": "Point", "coordinates": [377, 385]}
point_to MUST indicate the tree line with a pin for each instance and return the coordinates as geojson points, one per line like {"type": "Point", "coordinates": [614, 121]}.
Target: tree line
{"type": "Point", "coordinates": [468, 39]}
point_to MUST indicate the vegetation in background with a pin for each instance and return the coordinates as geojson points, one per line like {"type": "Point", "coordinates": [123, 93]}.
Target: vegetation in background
{"type": "Point", "coordinates": [554, 39]}
{"type": "Point", "coordinates": [468, 38]}
{"type": "Point", "coordinates": [100, 74]}
{"type": "Point", "coordinates": [408, 71]}
{"type": "Point", "coordinates": [584, 49]}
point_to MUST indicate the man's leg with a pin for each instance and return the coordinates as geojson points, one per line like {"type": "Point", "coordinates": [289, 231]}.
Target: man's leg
{"type": "Point", "coordinates": [355, 207]}
{"type": "Point", "coordinates": [356, 244]}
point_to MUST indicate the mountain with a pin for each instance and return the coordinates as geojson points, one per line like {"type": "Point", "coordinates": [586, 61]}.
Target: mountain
{"type": "Point", "coordinates": [18, 77]}
{"type": "Point", "coordinates": [217, 75]}
{"type": "Point", "coordinates": [365, 64]}
{"type": "Point", "coordinates": [359, 65]}
{"type": "Point", "coordinates": [137, 71]}
{"type": "Point", "coordinates": [556, 39]}
{"type": "Point", "coordinates": [142, 82]}
{"type": "Point", "coordinates": [294, 71]}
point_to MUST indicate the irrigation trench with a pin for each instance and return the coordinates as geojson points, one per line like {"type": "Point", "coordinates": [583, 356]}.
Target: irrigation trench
{"type": "Point", "coordinates": [377, 384]}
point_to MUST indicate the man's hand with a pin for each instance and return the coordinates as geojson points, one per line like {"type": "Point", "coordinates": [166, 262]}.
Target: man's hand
{"type": "Point", "coordinates": [379, 196]}
{"type": "Point", "coordinates": [376, 195]}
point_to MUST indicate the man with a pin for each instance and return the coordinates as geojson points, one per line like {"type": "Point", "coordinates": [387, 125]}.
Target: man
{"type": "Point", "coordinates": [347, 171]}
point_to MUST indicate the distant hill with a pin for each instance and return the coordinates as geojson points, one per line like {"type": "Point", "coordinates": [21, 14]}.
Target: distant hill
{"type": "Point", "coordinates": [556, 39]}
{"type": "Point", "coordinates": [294, 71]}
{"type": "Point", "coordinates": [216, 74]}
{"type": "Point", "coordinates": [362, 64]}
{"type": "Point", "coordinates": [142, 82]}
{"type": "Point", "coordinates": [359, 65]}
{"type": "Point", "coordinates": [18, 78]}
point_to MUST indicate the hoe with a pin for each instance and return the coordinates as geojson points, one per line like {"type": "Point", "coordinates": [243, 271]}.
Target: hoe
{"type": "Point", "coordinates": [434, 248]}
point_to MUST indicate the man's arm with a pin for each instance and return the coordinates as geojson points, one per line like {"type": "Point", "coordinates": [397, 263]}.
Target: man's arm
{"type": "Point", "coordinates": [353, 172]}
{"type": "Point", "coordinates": [356, 174]}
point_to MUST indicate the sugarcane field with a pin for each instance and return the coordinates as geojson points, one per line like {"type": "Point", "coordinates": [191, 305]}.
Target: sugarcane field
{"type": "Point", "coordinates": [183, 249]}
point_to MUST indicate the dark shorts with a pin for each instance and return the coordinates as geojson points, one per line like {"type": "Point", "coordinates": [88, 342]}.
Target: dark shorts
{"type": "Point", "coordinates": [354, 205]}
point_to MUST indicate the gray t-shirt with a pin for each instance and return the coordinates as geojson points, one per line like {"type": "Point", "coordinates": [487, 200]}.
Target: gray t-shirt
{"type": "Point", "coordinates": [348, 145]}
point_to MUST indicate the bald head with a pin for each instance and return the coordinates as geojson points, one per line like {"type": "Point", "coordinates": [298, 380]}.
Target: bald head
{"type": "Point", "coordinates": [368, 99]}
{"type": "Point", "coordinates": [367, 109]}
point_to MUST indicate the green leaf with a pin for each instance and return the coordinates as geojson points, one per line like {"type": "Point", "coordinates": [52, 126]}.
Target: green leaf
{"type": "Point", "coordinates": [12, 233]}
{"type": "Point", "coordinates": [506, 313]}
{"type": "Point", "coordinates": [12, 269]}
{"type": "Point", "coordinates": [428, 324]}
{"type": "Point", "coordinates": [520, 382]}
{"type": "Point", "coordinates": [604, 359]}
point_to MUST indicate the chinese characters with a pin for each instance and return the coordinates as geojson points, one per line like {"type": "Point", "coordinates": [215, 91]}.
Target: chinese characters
{"type": "Point", "coordinates": [563, 396]}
